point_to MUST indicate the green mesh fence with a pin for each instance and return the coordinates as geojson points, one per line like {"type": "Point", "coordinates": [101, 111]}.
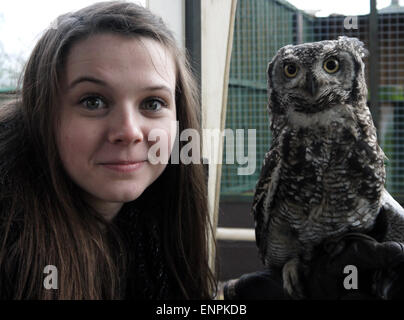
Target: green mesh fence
{"type": "Point", "coordinates": [391, 98]}
{"type": "Point", "coordinates": [261, 27]}
{"type": "Point", "coordinates": [264, 26]}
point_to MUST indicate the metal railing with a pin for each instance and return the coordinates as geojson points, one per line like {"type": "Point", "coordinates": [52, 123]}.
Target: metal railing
{"type": "Point", "coordinates": [235, 234]}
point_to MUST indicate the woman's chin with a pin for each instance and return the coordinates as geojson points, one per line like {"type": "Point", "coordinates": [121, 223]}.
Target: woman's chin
{"type": "Point", "coordinates": [124, 196]}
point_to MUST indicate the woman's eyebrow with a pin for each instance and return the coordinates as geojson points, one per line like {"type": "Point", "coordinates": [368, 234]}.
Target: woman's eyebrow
{"type": "Point", "coordinates": [157, 88]}
{"type": "Point", "coordinates": [87, 79]}
{"type": "Point", "coordinates": [105, 84]}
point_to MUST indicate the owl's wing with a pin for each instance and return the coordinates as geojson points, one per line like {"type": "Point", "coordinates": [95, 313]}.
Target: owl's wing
{"type": "Point", "coordinates": [394, 214]}
{"type": "Point", "coordinates": [264, 195]}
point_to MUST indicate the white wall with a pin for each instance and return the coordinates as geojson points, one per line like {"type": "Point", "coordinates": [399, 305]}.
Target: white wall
{"type": "Point", "coordinates": [217, 39]}
{"type": "Point", "coordinates": [173, 14]}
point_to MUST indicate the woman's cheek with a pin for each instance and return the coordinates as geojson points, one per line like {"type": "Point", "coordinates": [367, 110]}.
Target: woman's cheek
{"type": "Point", "coordinates": [161, 141]}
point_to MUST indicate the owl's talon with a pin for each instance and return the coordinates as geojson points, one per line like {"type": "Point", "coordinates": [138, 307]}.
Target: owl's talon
{"type": "Point", "coordinates": [291, 279]}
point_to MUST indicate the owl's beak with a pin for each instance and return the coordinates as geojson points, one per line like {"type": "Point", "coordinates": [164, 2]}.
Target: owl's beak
{"type": "Point", "coordinates": [311, 85]}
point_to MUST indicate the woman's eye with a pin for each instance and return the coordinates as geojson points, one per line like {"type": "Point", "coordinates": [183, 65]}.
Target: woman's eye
{"type": "Point", "coordinates": [154, 105]}
{"type": "Point", "coordinates": [93, 103]}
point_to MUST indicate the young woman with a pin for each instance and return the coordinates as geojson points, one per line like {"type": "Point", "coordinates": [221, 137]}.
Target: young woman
{"type": "Point", "coordinates": [78, 190]}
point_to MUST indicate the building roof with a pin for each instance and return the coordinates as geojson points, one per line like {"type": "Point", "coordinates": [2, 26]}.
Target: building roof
{"type": "Point", "coordinates": [7, 90]}
{"type": "Point", "coordinates": [394, 7]}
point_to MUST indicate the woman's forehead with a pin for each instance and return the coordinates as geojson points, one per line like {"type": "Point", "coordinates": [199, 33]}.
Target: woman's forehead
{"type": "Point", "coordinates": [111, 56]}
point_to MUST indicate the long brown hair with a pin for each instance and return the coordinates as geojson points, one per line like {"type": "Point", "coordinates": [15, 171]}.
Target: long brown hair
{"type": "Point", "coordinates": [41, 204]}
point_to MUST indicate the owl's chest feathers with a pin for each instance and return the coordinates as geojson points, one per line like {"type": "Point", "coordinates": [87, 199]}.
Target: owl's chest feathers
{"type": "Point", "coordinates": [327, 182]}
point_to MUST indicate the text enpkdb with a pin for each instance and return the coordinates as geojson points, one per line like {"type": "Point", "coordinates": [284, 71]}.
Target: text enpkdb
{"type": "Point", "coordinates": [223, 309]}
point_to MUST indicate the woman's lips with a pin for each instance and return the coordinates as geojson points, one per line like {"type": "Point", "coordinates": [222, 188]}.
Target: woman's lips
{"type": "Point", "coordinates": [126, 166]}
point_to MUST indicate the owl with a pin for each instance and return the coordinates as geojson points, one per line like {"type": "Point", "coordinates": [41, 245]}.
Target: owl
{"type": "Point", "coordinates": [324, 174]}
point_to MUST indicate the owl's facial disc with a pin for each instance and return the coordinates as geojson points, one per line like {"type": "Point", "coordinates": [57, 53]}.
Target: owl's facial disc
{"type": "Point", "coordinates": [318, 77]}
{"type": "Point", "coordinates": [320, 84]}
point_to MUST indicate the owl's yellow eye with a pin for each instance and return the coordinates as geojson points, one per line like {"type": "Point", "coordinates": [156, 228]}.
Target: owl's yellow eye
{"type": "Point", "coordinates": [331, 65]}
{"type": "Point", "coordinates": [291, 70]}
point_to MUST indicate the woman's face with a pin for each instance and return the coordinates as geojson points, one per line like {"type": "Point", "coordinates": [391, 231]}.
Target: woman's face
{"type": "Point", "coordinates": [115, 91]}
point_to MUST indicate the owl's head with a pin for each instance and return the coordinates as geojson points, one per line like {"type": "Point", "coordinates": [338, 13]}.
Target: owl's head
{"type": "Point", "coordinates": [313, 77]}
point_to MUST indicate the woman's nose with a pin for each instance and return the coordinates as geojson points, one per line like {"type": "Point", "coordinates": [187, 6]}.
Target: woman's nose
{"type": "Point", "coordinates": [125, 127]}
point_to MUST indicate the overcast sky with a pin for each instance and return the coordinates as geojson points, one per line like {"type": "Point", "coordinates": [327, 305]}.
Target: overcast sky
{"type": "Point", "coordinates": [23, 21]}
{"type": "Point", "coordinates": [346, 7]}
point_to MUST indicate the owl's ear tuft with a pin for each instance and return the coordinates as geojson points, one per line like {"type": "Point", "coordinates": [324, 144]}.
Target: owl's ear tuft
{"type": "Point", "coordinates": [355, 44]}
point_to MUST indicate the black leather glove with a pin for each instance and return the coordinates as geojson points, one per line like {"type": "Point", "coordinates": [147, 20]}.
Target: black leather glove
{"type": "Point", "coordinates": [379, 268]}
{"type": "Point", "coordinates": [260, 285]}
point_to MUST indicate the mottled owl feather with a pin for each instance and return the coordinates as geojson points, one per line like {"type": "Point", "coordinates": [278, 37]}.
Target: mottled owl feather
{"type": "Point", "coordinates": [264, 191]}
